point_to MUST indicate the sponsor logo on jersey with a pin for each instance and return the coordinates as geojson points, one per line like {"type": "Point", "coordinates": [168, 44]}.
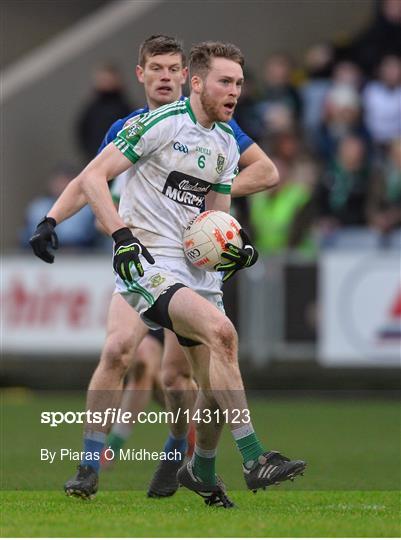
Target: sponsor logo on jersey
{"type": "Point", "coordinates": [180, 147]}
{"type": "Point", "coordinates": [203, 150]}
{"type": "Point", "coordinates": [186, 189]}
{"type": "Point", "coordinates": [156, 280]}
{"type": "Point", "coordinates": [131, 121]}
{"type": "Point", "coordinates": [134, 125]}
{"type": "Point", "coordinates": [220, 163]}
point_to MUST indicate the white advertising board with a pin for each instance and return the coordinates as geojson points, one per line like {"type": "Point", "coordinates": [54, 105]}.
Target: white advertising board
{"type": "Point", "coordinates": [54, 308]}
{"type": "Point", "coordinates": [360, 308]}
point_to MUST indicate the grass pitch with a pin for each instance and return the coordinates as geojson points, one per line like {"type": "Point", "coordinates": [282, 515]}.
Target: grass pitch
{"type": "Point", "coordinates": [267, 514]}
{"type": "Point", "coordinates": [350, 488]}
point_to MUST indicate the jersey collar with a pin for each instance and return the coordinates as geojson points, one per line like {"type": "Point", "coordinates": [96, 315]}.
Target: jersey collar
{"type": "Point", "coordinates": [190, 111]}
{"type": "Point", "coordinates": [193, 117]}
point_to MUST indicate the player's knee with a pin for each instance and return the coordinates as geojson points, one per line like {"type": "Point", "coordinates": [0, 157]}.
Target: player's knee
{"type": "Point", "coordinates": [174, 380]}
{"type": "Point", "coordinates": [139, 369]}
{"type": "Point", "coordinates": [225, 338]}
{"type": "Point", "coordinates": [146, 361]}
{"type": "Point", "coordinates": [142, 367]}
{"type": "Point", "coordinates": [117, 352]}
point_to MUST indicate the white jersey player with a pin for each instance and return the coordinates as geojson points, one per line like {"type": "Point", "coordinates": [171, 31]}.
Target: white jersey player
{"type": "Point", "coordinates": [164, 191]}
{"type": "Point", "coordinates": [216, 81]}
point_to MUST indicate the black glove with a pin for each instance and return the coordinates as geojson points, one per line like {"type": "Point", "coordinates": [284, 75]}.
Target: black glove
{"type": "Point", "coordinates": [238, 257]}
{"type": "Point", "coordinates": [127, 249]}
{"type": "Point", "coordinates": [42, 237]}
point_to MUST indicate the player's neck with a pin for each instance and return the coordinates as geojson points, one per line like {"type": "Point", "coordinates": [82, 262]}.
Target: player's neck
{"type": "Point", "coordinates": [154, 105]}
{"type": "Point", "coordinates": [201, 117]}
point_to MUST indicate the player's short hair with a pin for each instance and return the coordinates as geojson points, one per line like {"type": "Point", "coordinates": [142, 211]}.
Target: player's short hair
{"type": "Point", "coordinates": [160, 44]}
{"type": "Point", "coordinates": [201, 55]}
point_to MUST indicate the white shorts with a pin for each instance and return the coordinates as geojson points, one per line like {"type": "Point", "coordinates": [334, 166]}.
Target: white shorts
{"type": "Point", "coordinates": [158, 277]}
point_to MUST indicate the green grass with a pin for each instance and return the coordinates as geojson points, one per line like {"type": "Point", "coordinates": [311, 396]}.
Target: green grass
{"type": "Point", "coordinates": [351, 486]}
{"type": "Point", "coordinates": [268, 514]}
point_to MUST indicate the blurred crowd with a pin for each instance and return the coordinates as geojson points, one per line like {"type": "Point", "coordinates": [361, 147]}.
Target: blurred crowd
{"type": "Point", "coordinates": [332, 126]}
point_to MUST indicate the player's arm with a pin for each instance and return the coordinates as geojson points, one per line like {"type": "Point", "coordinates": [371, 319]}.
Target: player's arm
{"type": "Point", "coordinates": [218, 201]}
{"type": "Point", "coordinates": [236, 258]}
{"type": "Point", "coordinates": [93, 181]}
{"type": "Point", "coordinates": [258, 173]}
{"type": "Point", "coordinates": [69, 203]}
{"type": "Point", "coordinates": [96, 173]}
{"type": "Point", "coordinates": [73, 198]}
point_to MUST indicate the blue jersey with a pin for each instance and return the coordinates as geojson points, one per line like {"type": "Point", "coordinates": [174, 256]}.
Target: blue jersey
{"type": "Point", "coordinates": [242, 138]}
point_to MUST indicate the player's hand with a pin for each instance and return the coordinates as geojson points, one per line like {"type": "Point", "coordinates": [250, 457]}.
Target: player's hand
{"type": "Point", "coordinates": [44, 237]}
{"type": "Point", "coordinates": [127, 249]}
{"type": "Point", "coordinates": [238, 258]}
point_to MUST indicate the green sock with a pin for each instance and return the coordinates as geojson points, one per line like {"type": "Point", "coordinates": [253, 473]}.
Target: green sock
{"type": "Point", "coordinates": [115, 441]}
{"type": "Point", "coordinates": [204, 465]}
{"type": "Point", "coordinates": [248, 443]}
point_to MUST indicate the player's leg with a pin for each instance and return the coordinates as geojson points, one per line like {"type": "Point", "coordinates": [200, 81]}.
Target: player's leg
{"type": "Point", "coordinates": [125, 330]}
{"type": "Point", "coordinates": [201, 466]}
{"type": "Point", "coordinates": [180, 392]}
{"type": "Point", "coordinates": [195, 318]}
{"type": "Point", "coordinates": [206, 408]}
{"type": "Point", "coordinates": [199, 473]}
{"type": "Point", "coordinates": [175, 379]}
{"type": "Point", "coordinates": [180, 389]}
{"type": "Point", "coordinates": [137, 392]}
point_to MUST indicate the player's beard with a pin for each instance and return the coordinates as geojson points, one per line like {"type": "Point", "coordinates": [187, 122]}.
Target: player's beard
{"type": "Point", "coordinates": [211, 108]}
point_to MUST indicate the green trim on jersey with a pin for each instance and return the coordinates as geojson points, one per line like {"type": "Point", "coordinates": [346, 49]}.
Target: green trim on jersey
{"type": "Point", "coordinates": [126, 145]}
{"type": "Point", "coordinates": [155, 121]}
{"type": "Point", "coordinates": [190, 111]}
{"type": "Point", "coordinates": [125, 148]}
{"type": "Point", "coordinates": [222, 188]}
{"type": "Point", "coordinates": [151, 115]}
{"type": "Point", "coordinates": [226, 128]}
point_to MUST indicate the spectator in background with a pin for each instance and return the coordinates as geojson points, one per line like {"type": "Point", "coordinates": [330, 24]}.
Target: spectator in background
{"type": "Point", "coordinates": [280, 106]}
{"type": "Point", "coordinates": [342, 117]}
{"type": "Point", "coordinates": [348, 74]}
{"type": "Point", "coordinates": [380, 39]}
{"type": "Point", "coordinates": [107, 103]}
{"type": "Point", "coordinates": [281, 217]}
{"type": "Point", "coordinates": [382, 103]}
{"type": "Point", "coordinates": [77, 232]}
{"type": "Point", "coordinates": [246, 111]}
{"type": "Point", "coordinates": [318, 66]}
{"type": "Point", "coordinates": [342, 193]}
{"type": "Point", "coordinates": [384, 210]}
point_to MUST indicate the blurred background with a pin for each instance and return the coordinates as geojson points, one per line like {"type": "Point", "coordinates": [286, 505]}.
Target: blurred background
{"type": "Point", "coordinates": [322, 308]}
{"type": "Point", "coordinates": [319, 316]}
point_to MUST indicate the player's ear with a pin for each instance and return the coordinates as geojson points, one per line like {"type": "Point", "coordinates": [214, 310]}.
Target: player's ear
{"type": "Point", "coordinates": [184, 75]}
{"type": "Point", "coordinates": [139, 73]}
{"type": "Point", "coordinates": [196, 84]}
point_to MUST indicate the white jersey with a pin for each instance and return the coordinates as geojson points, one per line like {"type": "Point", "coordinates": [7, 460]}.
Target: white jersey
{"type": "Point", "coordinates": [176, 163]}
